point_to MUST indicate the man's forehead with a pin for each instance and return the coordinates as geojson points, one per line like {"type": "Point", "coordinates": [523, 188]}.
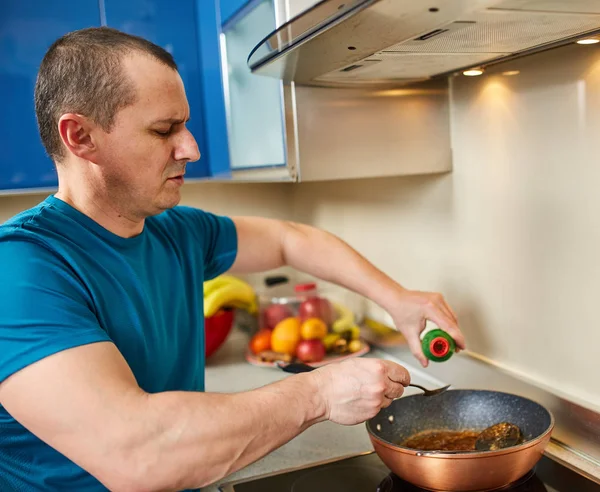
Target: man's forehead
{"type": "Point", "coordinates": [150, 77]}
{"type": "Point", "coordinates": [158, 87]}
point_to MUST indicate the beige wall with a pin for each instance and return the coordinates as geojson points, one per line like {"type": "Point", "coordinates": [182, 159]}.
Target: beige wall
{"type": "Point", "coordinates": [269, 200]}
{"type": "Point", "coordinates": [512, 235]}
{"type": "Point", "coordinates": [12, 205]}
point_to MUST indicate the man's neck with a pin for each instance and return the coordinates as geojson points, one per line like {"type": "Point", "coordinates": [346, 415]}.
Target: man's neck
{"type": "Point", "coordinates": [102, 211]}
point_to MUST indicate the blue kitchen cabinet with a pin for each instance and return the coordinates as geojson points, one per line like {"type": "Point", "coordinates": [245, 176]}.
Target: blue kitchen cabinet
{"type": "Point", "coordinates": [231, 7]}
{"type": "Point", "coordinates": [27, 29]}
{"type": "Point", "coordinates": [213, 95]}
{"type": "Point", "coordinates": [174, 27]}
{"type": "Point", "coordinates": [233, 114]}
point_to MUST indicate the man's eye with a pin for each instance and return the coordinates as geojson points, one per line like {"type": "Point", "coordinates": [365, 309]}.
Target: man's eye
{"type": "Point", "coordinates": [163, 133]}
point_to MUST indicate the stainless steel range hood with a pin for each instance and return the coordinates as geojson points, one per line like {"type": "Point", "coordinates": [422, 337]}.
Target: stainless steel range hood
{"type": "Point", "coordinates": [382, 42]}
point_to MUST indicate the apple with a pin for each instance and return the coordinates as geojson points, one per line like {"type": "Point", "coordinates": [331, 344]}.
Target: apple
{"type": "Point", "coordinates": [317, 307]}
{"type": "Point", "coordinates": [310, 350]}
{"type": "Point", "coordinates": [274, 313]}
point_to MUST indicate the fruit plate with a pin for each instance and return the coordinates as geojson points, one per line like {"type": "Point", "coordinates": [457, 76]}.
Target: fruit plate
{"type": "Point", "coordinates": [329, 358]}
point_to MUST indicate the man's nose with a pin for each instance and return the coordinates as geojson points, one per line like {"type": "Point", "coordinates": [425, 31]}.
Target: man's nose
{"type": "Point", "coordinates": [186, 148]}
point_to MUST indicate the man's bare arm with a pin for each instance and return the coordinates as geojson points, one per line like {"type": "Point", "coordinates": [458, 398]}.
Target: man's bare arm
{"type": "Point", "coordinates": [264, 244]}
{"type": "Point", "coordinates": [85, 403]}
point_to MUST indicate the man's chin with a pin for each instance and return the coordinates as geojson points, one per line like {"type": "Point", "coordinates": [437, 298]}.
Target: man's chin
{"type": "Point", "coordinates": [167, 202]}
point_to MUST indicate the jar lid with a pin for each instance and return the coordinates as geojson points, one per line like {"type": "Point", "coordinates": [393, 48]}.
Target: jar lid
{"type": "Point", "coordinates": [305, 287]}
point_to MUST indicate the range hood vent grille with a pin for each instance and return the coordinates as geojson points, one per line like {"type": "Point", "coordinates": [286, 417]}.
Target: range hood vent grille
{"type": "Point", "coordinates": [499, 31]}
{"type": "Point", "coordinates": [480, 38]}
{"type": "Point", "coordinates": [406, 67]}
{"type": "Point", "coordinates": [397, 41]}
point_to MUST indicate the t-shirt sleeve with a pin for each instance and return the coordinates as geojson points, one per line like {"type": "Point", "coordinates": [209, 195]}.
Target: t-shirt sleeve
{"type": "Point", "coordinates": [44, 308]}
{"type": "Point", "coordinates": [216, 235]}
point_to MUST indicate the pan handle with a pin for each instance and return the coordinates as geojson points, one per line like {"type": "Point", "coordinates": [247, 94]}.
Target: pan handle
{"type": "Point", "coordinates": [295, 367]}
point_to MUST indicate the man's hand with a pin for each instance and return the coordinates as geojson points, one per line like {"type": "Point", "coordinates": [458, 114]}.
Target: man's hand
{"type": "Point", "coordinates": [410, 311]}
{"type": "Point", "coordinates": [355, 390]}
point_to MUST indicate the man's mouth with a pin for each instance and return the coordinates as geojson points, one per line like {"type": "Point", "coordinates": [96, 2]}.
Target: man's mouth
{"type": "Point", "coordinates": [176, 179]}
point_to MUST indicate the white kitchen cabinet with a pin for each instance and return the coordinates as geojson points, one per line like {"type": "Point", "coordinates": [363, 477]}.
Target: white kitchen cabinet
{"type": "Point", "coordinates": [295, 7]}
{"type": "Point", "coordinates": [284, 132]}
{"type": "Point", "coordinates": [360, 133]}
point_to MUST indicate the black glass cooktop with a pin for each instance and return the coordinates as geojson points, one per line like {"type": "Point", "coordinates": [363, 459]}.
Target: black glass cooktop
{"type": "Point", "coordinates": [367, 473]}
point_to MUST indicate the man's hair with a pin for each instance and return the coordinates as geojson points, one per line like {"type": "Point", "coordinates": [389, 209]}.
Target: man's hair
{"type": "Point", "coordinates": [82, 73]}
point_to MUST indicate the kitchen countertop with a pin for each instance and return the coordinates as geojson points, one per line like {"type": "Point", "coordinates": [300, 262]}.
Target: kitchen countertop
{"type": "Point", "coordinates": [574, 441]}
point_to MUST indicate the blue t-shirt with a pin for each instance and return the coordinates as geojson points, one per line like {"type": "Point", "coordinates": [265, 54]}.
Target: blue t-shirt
{"type": "Point", "coordinates": [67, 281]}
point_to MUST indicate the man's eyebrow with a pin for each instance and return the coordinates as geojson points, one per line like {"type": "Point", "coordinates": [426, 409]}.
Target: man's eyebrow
{"type": "Point", "coordinates": [172, 121]}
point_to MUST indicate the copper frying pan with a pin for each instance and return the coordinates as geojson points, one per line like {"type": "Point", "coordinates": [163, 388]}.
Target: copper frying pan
{"type": "Point", "coordinates": [460, 410]}
{"type": "Point", "coordinates": [457, 410]}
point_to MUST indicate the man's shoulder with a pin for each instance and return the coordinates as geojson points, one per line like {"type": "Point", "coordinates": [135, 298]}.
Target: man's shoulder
{"type": "Point", "coordinates": [195, 226]}
{"type": "Point", "coordinates": [186, 218]}
{"type": "Point", "coordinates": [25, 217]}
{"type": "Point", "coordinates": [27, 225]}
{"type": "Point", "coordinates": [41, 232]}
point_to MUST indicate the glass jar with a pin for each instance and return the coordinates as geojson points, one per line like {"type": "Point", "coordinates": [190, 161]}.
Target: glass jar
{"type": "Point", "coordinates": [281, 300]}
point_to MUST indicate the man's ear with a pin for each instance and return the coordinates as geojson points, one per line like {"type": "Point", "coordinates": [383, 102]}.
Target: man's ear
{"type": "Point", "coordinates": [76, 134]}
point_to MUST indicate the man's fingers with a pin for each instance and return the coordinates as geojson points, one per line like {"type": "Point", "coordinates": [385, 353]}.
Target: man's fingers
{"type": "Point", "coordinates": [414, 343]}
{"type": "Point", "coordinates": [451, 310]}
{"type": "Point", "coordinates": [444, 308]}
{"type": "Point", "coordinates": [447, 315]}
{"type": "Point", "coordinates": [397, 374]}
{"type": "Point", "coordinates": [455, 332]}
{"type": "Point", "coordinates": [459, 338]}
{"type": "Point", "coordinates": [387, 401]}
{"type": "Point", "coordinates": [394, 390]}
{"type": "Point", "coordinates": [447, 324]}
{"type": "Point", "coordinates": [435, 314]}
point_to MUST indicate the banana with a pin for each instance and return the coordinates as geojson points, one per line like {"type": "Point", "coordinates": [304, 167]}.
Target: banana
{"type": "Point", "coordinates": [211, 287]}
{"type": "Point", "coordinates": [229, 294]}
{"type": "Point", "coordinates": [378, 327]}
{"type": "Point", "coordinates": [213, 284]}
{"type": "Point", "coordinates": [251, 307]}
{"type": "Point", "coordinates": [354, 332]}
{"type": "Point", "coordinates": [345, 319]}
{"type": "Point", "coordinates": [330, 340]}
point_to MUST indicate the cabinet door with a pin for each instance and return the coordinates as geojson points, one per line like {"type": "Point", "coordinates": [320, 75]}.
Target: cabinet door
{"type": "Point", "coordinates": [254, 104]}
{"type": "Point", "coordinates": [27, 29]}
{"type": "Point", "coordinates": [173, 26]}
{"type": "Point", "coordinates": [209, 25]}
{"type": "Point", "coordinates": [231, 7]}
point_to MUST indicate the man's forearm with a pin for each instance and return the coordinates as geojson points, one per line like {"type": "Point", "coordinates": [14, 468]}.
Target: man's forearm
{"type": "Point", "coordinates": [188, 440]}
{"type": "Point", "coordinates": [326, 256]}
{"type": "Point", "coordinates": [265, 244]}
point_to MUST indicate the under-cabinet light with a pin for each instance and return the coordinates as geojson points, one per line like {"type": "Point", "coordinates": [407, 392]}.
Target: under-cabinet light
{"type": "Point", "coordinates": [588, 41]}
{"type": "Point", "coordinates": [473, 72]}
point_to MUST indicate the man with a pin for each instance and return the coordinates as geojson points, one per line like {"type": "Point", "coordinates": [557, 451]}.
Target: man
{"type": "Point", "coordinates": [101, 325]}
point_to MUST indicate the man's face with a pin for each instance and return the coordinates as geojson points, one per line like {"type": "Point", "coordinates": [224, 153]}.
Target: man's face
{"type": "Point", "coordinates": [142, 159]}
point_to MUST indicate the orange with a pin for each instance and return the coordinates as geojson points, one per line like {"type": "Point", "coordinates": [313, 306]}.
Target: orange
{"type": "Point", "coordinates": [313, 328]}
{"type": "Point", "coordinates": [286, 336]}
{"type": "Point", "coordinates": [261, 341]}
